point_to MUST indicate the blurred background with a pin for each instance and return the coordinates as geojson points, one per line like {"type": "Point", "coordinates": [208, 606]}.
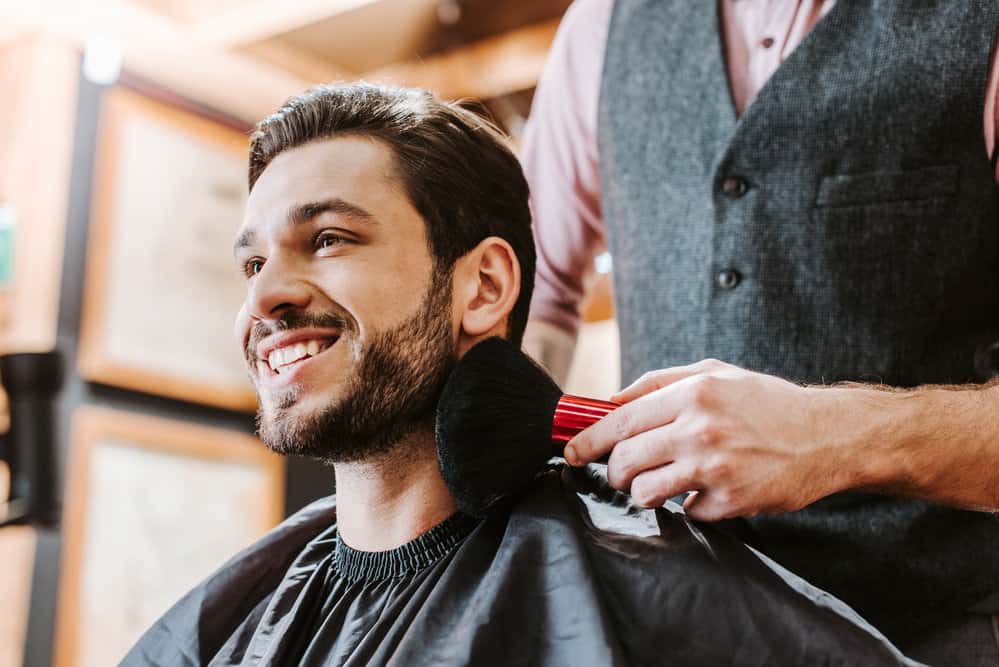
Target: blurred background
{"type": "Point", "coordinates": [128, 468]}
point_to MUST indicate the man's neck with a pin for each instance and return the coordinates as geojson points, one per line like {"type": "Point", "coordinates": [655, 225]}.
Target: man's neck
{"type": "Point", "coordinates": [383, 504]}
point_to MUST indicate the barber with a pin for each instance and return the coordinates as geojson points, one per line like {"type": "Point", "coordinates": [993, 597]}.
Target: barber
{"type": "Point", "coordinates": [803, 191]}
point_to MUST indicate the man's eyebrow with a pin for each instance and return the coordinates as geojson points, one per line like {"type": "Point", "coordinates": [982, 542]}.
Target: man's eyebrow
{"type": "Point", "coordinates": [306, 213]}
{"type": "Point", "coordinates": [243, 240]}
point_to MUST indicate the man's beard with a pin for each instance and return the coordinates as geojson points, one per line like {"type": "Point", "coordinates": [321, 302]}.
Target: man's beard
{"type": "Point", "coordinates": [392, 394]}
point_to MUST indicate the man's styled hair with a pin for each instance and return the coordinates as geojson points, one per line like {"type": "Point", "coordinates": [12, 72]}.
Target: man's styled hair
{"type": "Point", "coordinates": [455, 166]}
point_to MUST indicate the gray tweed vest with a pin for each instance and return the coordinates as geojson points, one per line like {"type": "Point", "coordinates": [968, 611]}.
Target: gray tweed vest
{"type": "Point", "coordinates": [845, 228]}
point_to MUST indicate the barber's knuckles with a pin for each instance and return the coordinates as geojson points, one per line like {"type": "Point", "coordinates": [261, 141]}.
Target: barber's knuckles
{"type": "Point", "coordinates": [619, 425]}
{"type": "Point", "coordinates": [652, 381]}
{"type": "Point", "coordinates": [632, 456]}
{"type": "Point", "coordinates": [696, 398]}
{"type": "Point", "coordinates": [654, 487]}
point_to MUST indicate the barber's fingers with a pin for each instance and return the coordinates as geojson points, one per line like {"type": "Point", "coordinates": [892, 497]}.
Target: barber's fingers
{"type": "Point", "coordinates": [658, 379]}
{"type": "Point", "coordinates": [643, 414]}
{"type": "Point", "coordinates": [716, 505]}
{"type": "Point", "coordinates": [654, 487]}
{"type": "Point", "coordinates": [645, 451]}
{"type": "Point", "coordinates": [689, 501]}
{"type": "Point", "coordinates": [703, 506]}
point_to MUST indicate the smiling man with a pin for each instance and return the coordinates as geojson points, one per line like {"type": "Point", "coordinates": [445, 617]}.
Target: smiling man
{"type": "Point", "coordinates": [386, 233]}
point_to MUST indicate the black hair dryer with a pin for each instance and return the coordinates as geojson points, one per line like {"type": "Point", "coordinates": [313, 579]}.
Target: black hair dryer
{"type": "Point", "coordinates": [32, 381]}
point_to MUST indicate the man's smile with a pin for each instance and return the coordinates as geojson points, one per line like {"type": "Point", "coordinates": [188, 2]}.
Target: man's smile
{"type": "Point", "coordinates": [284, 355]}
{"type": "Point", "coordinates": [280, 359]}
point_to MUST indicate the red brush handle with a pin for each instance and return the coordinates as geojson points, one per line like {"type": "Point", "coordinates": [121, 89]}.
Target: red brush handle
{"type": "Point", "coordinates": [575, 413]}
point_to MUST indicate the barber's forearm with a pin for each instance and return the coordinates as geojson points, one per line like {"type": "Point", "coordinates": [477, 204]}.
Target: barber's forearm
{"type": "Point", "coordinates": [934, 443]}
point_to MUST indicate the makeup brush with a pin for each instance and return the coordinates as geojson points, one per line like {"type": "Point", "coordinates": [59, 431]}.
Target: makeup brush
{"type": "Point", "coordinates": [500, 419]}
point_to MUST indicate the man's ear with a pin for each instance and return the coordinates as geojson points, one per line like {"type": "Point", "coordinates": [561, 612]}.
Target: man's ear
{"type": "Point", "coordinates": [486, 287]}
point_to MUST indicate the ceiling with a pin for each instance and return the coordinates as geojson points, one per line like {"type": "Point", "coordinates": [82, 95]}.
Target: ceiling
{"type": "Point", "coordinates": [245, 57]}
{"type": "Point", "coordinates": [355, 37]}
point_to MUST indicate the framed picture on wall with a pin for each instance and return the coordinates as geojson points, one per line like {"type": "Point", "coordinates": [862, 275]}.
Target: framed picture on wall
{"type": "Point", "coordinates": [162, 291]}
{"type": "Point", "coordinates": [152, 507]}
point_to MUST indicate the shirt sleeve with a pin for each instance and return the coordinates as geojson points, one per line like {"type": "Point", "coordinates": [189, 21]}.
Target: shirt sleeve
{"type": "Point", "coordinates": [560, 162]}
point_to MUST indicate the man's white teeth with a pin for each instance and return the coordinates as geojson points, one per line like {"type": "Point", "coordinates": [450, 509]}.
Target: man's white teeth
{"type": "Point", "coordinates": [283, 356]}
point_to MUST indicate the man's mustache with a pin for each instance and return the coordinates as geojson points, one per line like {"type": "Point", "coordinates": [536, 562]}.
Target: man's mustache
{"type": "Point", "coordinates": [294, 320]}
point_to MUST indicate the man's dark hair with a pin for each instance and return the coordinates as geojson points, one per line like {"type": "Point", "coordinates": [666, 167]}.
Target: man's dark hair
{"type": "Point", "coordinates": [455, 166]}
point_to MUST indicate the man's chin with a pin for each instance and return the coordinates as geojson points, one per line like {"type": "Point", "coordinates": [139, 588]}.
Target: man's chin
{"type": "Point", "coordinates": [299, 399]}
{"type": "Point", "coordinates": [284, 432]}
{"type": "Point", "coordinates": [286, 423]}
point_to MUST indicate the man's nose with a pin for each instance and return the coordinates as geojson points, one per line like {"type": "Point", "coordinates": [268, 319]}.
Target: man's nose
{"type": "Point", "coordinates": [275, 289]}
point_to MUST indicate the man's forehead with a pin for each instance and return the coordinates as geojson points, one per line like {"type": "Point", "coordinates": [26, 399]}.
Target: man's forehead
{"type": "Point", "coordinates": [346, 167]}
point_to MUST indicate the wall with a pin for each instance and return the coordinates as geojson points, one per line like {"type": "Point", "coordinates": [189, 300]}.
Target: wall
{"type": "Point", "coordinates": [48, 127]}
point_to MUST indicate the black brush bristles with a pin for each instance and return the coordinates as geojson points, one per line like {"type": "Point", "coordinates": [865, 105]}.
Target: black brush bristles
{"type": "Point", "coordinates": [494, 424]}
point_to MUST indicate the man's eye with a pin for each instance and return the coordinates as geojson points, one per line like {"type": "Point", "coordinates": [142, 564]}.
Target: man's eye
{"type": "Point", "coordinates": [329, 240]}
{"type": "Point", "coordinates": [252, 267]}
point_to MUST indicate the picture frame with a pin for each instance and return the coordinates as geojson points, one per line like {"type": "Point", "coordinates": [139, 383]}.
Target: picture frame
{"type": "Point", "coordinates": [161, 290]}
{"type": "Point", "coordinates": [135, 484]}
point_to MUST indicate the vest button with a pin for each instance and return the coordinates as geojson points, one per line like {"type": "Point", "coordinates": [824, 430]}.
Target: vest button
{"type": "Point", "coordinates": [728, 278]}
{"type": "Point", "coordinates": [734, 186]}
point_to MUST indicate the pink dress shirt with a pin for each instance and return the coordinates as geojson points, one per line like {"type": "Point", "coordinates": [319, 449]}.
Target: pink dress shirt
{"type": "Point", "coordinates": [559, 150]}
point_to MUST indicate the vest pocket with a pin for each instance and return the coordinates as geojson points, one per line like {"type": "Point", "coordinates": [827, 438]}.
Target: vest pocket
{"type": "Point", "coordinates": [887, 251]}
{"type": "Point", "coordinates": [882, 187]}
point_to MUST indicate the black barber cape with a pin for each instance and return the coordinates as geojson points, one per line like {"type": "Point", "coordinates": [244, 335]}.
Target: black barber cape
{"type": "Point", "coordinates": [570, 574]}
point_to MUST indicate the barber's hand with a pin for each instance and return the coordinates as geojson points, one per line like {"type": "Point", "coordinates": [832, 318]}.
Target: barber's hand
{"type": "Point", "coordinates": [744, 442]}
